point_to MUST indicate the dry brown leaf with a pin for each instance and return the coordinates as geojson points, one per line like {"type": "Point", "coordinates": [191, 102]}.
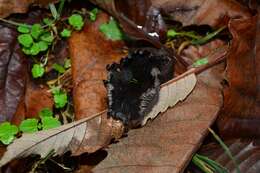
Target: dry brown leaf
{"type": "Point", "coordinates": [90, 53]}
{"type": "Point", "coordinates": [166, 144]}
{"type": "Point", "coordinates": [67, 137]}
{"type": "Point", "coordinates": [202, 12]}
{"type": "Point", "coordinates": [35, 99]}
{"type": "Point", "coordinates": [8, 7]}
{"type": "Point", "coordinates": [240, 114]}
{"type": "Point", "coordinates": [91, 133]}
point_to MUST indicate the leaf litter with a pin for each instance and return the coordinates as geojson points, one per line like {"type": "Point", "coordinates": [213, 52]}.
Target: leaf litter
{"type": "Point", "coordinates": [94, 131]}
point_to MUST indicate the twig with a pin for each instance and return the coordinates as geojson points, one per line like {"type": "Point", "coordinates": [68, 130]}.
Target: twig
{"type": "Point", "coordinates": [14, 23]}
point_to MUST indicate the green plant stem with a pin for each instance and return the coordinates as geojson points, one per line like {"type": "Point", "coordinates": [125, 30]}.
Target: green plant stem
{"type": "Point", "coordinates": [226, 149]}
{"type": "Point", "coordinates": [200, 164]}
{"type": "Point", "coordinates": [60, 8]}
{"type": "Point", "coordinates": [14, 23]}
{"type": "Point", "coordinates": [208, 37]}
{"type": "Point", "coordinates": [216, 166]}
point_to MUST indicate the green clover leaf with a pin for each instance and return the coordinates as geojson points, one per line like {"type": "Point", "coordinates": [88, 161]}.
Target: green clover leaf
{"type": "Point", "coordinates": [25, 39]}
{"type": "Point", "coordinates": [48, 37]}
{"type": "Point", "coordinates": [23, 29]}
{"type": "Point", "coordinates": [111, 30]}
{"type": "Point", "coordinates": [49, 122]}
{"type": "Point", "coordinates": [7, 132]}
{"type": "Point", "coordinates": [59, 68]}
{"type": "Point", "coordinates": [60, 99]}
{"type": "Point", "coordinates": [76, 21]}
{"type": "Point", "coordinates": [43, 46]}
{"type": "Point", "coordinates": [48, 21]}
{"type": "Point", "coordinates": [65, 33]}
{"type": "Point", "coordinates": [29, 125]}
{"type": "Point", "coordinates": [36, 31]}
{"type": "Point", "coordinates": [37, 71]}
{"type": "Point", "coordinates": [35, 49]}
{"type": "Point", "coordinates": [67, 63]}
{"type": "Point", "coordinates": [46, 112]}
{"type": "Point", "coordinates": [93, 14]}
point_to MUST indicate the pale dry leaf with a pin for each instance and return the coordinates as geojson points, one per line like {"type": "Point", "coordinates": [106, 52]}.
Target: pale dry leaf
{"type": "Point", "coordinates": [171, 94]}
{"type": "Point", "coordinates": [90, 134]}
{"type": "Point", "coordinates": [61, 139]}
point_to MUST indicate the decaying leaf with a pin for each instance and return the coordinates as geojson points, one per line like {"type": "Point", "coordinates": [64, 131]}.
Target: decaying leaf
{"type": "Point", "coordinates": [35, 99]}
{"type": "Point", "coordinates": [19, 6]}
{"type": "Point", "coordinates": [240, 114]}
{"type": "Point", "coordinates": [13, 71]}
{"type": "Point", "coordinates": [90, 52]}
{"type": "Point", "coordinates": [166, 144]}
{"type": "Point", "coordinates": [91, 133]}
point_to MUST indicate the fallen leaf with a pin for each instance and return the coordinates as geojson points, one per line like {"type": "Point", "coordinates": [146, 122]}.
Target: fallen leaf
{"type": "Point", "coordinates": [19, 6]}
{"type": "Point", "coordinates": [240, 114]}
{"type": "Point", "coordinates": [202, 12]}
{"type": "Point", "coordinates": [71, 136]}
{"type": "Point", "coordinates": [167, 143]}
{"type": "Point", "coordinates": [93, 132]}
{"type": "Point", "coordinates": [13, 71]}
{"type": "Point", "coordinates": [245, 152]}
{"type": "Point", "coordinates": [90, 52]}
{"type": "Point", "coordinates": [35, 99]}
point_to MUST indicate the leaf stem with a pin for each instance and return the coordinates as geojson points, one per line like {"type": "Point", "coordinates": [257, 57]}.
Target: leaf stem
{"type": "Point", "coordinates": [226, 149]}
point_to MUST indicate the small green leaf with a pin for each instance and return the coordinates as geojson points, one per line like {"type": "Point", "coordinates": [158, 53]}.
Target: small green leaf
{"type": "Point", "coordinates": [48, 37]}
{"type": "Point", "coordinates": [47, 21]}
{"type": "Point", "coordinates": [55, 90]}
{"type": "Point", "coordinates": [67, 63]}
{"type": "Point", "coordinates": [42, 45]}
{"type": "Point", "coordinates": [59, 68]}
{"type": "Point", "coordinates": [27, 51]}
{"type": "Point", "coordinates": [49, 122]}
{"type": "Point", "coordinates": [60, 99]}
{"type": "Point", "coordinates": [35, 49]}
{"type": "Point", "coordinates": [76, 21]}
{"type": "Point", "coordinates": [36, 31]}
{"type": "Point", "coordinates": [37, 71]}
{"type": "Point", "coordinates": [65, 33]}
{"type": "Point", "coordinates": [200, 62]}
{"type": "Point", "coordinates": [25, 40]}
{"type": "Point", "coordinates": [54, 12]}
{"type": "Point", "coordinates": [111, 30]}
{"type": "Point", "coordinates": [46, 112]}
{"type": "Point", "coordinates": [29, 125]}
{"type": "Point", "coordinates": [172, 33]}
{"type": "Point", "coordinates": [23, 29]}
{"type": "Point", "coordinates": [93, 14]}
{"type": "Point", "coordinates": [7, 132]}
